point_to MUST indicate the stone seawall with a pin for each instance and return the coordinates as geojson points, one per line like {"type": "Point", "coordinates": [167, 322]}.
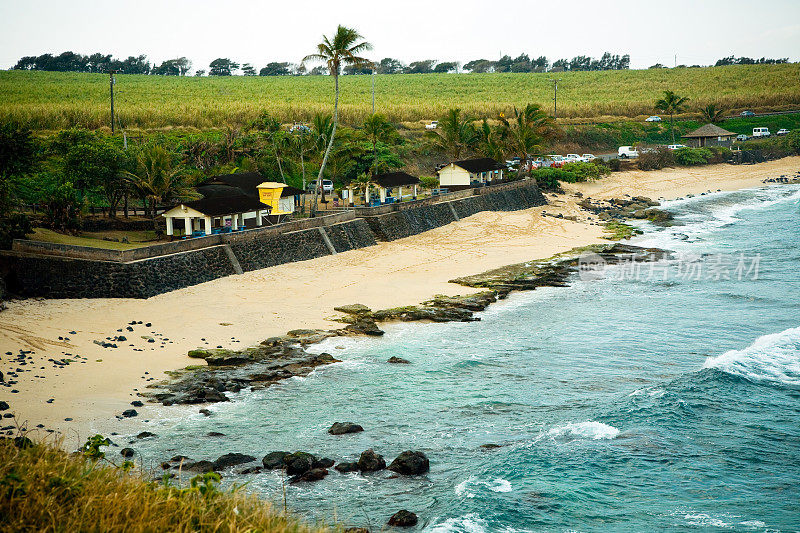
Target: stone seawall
{"type": "Point", "coordinates": [415, 220]}
{"type": "Point", "coordinates": [38, 271]}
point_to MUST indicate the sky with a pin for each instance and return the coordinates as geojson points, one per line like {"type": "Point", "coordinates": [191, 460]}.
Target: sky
{"type": "Point", "coordinates": [257, 32]}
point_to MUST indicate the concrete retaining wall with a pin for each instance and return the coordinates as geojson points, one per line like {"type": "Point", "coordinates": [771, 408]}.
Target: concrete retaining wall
{"type": "Point", "coordinates": [45, 270]}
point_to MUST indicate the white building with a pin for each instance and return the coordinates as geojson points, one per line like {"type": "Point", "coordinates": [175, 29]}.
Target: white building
{"type": "Point", "coordinates": [470, 173]}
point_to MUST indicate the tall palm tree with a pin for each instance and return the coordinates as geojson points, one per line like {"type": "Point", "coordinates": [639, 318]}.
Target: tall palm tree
{"type": "Point", "coordinates": [527, 132]}
{"type": "Point", "coordinates": [378, 129]}
{"type": "Point", "coordinates": [713, 114]}
{"type": "Point", "coordinates": [455, 134]}
{"type": "Point", "coordinates": [157, 179]}
{"type": "Point", "coordinates": [671, 103]}
{"type": "Point", "coordinates": [491, 141]}
{"type": "Point", "coordinates": [340, 51]}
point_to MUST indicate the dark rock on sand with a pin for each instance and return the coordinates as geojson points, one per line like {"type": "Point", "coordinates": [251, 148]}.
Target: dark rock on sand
{"type": "Point", "coordinates": [364, 326]}
{"type": "Point", "coordinates": [127, 452]}
{"type": "Point", "coordinates": [137, 403]}
{"type": "Point", "coordinates": [403, 519]}
{"type": "Point", "coordinates": [371, 461]}
{"type": "Point", "coordinates": [410, 463]}
{"type": "Point", "coordinates": [129, 413]}
{"type": "Point", "coordinates": [232, 459]}
{"type": "Point", "coordinates": [145, 434]}
{"type": "Point", "coordinates": [274, 460]}
{"type": "Point", "coordinates": [341, 428]}
{"type": "Point", "coordinates": [299, 463]}
{"type": "Point", "coordinates": [4, 406]}
{"type": "Point", "coordinates": [398, 361]}
{"type": "Point", "coordinates": [346, 467]}
{"type": "Point", "coordinates": [353, 309]}
{"type": "Point", "coordinates": [315, 474]}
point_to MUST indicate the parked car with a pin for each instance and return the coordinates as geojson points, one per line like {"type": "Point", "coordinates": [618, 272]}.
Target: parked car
{"type": "Point", "coordinates": [782, 131]}
{"type": "Point", "coordinates": [654, 118]}
{"type": "Point", "coordinates": [676, 146]}
{"type": "Point", "coordinates": [433, 125]}
{"type": "Point", "coordinates": [327, 185]}
{"type": "Point", "coordinates": [626, 152]}
{"type": "Point", "coordinates": [589, 157]}
{"type": "Point", "coordinates": [573, 158]}
{"type": "Point", "coordinates": [742, 137]}
{"type": "Point", "coordinates": [761, 132]}
{"type": "Point", "coordinates": [747, 114]}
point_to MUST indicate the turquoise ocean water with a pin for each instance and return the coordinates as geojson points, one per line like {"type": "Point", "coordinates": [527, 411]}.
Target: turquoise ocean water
{"type": "Point", "coordinates": [663, 399]}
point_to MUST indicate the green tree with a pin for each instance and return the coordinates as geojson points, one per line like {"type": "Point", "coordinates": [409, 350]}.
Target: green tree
{"type": "Point", "coordinates": [97, 164]}
{"type": "Point", "coordinates": [272, 127]}
{"type": "Point", "coordinates": [222, 67]}
{"type": "Point", "coordinates": [339, 51]}
{"type": "Point", "coordinates": [378, 129]}
{"type": "Point", "coordinates": [713, 114]}
{"type": "Point", "coordinates": [17, 160]}
{"type": "Point", "coordinates": [455, 134]}
{"type": "Point", "coordinates": [158, 179]}
{"type": "Point", "coordinates": [671, 104]}
{"type": "Point", "coordinates": [527, 131]}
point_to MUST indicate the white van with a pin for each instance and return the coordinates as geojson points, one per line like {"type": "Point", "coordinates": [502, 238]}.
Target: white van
{"type": "Point", "coordinates": [761, 132]}
{"type": "Point", "coordinates": [626, 152]}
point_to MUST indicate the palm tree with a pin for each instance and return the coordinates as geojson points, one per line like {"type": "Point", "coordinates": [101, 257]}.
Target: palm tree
{"type": "Point", "coordinates": [378, 129]}
{"type": "Point", "coordinates": [527, 132]}
{"type": "Point", "coordinates": [713, 114]}
{"type": "Point", "coordinates": [157, 179]}
{"type": "Point", "coordinates": [341, 50]}
{"type": "Point", "coordinates": [671, 103]}
{"type": "Point", "coordinates": [455, 134]}
{"type": "Point", "coordinates": [491, 141]}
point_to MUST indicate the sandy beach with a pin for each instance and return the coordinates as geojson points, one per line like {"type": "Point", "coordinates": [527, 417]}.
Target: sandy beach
{"type": "Point", "coordinates": [238, 311]}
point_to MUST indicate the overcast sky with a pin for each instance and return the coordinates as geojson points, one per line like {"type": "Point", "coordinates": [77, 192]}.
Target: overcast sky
{"type": "Point", "coordinates": [698, 31]}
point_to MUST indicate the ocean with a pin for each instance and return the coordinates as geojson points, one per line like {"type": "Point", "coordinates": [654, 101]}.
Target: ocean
{"type": "Point", "coordinates": [660, 397]}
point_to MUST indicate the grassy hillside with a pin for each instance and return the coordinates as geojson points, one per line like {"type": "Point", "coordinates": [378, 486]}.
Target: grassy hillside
{"type": "Point", "coordinates": [52, 100]}
{"type": "Point", "coordinates": [44, 489]}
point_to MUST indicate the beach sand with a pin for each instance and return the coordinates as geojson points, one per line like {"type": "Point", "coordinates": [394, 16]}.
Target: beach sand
{"type": "Point", "coordinates": [238, 311]}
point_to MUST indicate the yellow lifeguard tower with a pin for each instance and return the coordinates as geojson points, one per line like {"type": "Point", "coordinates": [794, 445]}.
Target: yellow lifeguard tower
{"type": "Point", "coordinates": [270, 193]}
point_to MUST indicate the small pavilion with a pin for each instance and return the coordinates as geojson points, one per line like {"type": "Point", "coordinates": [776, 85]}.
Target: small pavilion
{"type": "Point", "coordinates": [220, 210]}
{"type": "Point", "coordinates": [709, 135]}
{"type": "Point", "coordinates": [388, 181]}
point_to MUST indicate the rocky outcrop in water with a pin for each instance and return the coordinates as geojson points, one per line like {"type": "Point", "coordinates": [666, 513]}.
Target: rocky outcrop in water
{"type": "Point", "coordinates": [370, 461]}
{"type": "Point", "coordinates": [403, 518]}
{"type": "Point", "coordinates": [410, 463]}
{"type": "Point", "coordinates": [341, 428]}
{"type": "Point", "coordinates": [620, 209]}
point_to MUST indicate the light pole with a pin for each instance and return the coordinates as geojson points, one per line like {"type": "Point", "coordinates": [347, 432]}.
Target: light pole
{"type": "Point", "coordinates": [373, 90]}
{"type": "Point", "coordinates": [111, 83]}
{"type": "Point", "coordinates": [555, 97]}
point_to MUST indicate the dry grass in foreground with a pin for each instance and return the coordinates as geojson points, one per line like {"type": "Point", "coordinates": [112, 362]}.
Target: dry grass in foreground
{"type": "Point", "coordinates": [43, 488]}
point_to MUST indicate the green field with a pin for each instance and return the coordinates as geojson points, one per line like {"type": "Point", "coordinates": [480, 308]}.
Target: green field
{"type": "Point", "coordinates": [54, 100]}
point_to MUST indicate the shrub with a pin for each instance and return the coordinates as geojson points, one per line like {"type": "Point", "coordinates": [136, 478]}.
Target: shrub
{"type": "Point", "coordinates": [547, 178]}
{"type": "Point", "coordinates": [656, 160]}
{"type": "Point", "coordinates": [690, 157]}
{"type": "Point", "coordinates": [585, 171]}
{"type": "Point", "coordinates": [429, 182]}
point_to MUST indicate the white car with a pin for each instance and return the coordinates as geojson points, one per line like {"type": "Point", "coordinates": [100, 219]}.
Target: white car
{"type": "Point", "coordinates": [676, 146]}
{"type": "Point", "coordinates": [573, 158]}
{"type": "Point", "coordinates": [761, 132]}
{"type": "Point", "coordinates": [654, 118]}
{"type": "Point", "coordinates": [742, 137]}
{"type": "Point", "coordinates": [626, 152]}
{"type": "Point", "coordinates": [782, 131]}
{"type": "Point", "coordinates": [327, 185]}
{"type": "Point", "coordinates": [432, 126]}
{"type": "Point", "coordinates": [589, 157]}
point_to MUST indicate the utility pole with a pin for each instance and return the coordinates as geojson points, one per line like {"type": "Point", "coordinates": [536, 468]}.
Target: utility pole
{"type": "Point", "coordinates": [373, 90]}
{"type": "Point", "coordinates": [111, 82]}
{"type": "Point", "coordinates": [555, 97]}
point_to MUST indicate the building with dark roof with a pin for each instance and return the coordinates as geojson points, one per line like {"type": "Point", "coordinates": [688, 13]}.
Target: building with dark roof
{"type": "Point", "coordinates": [709, 135]}
{"type": "Point", "coordinates": [470, 173]}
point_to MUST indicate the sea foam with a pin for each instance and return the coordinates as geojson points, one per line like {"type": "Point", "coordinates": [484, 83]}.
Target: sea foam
{"type": "Point", "coordinates": [468, 487]}
{"type": "Point", "coordinates": [470, 523]}
{"type": "Point", "coordinates": [771, 358]}
{"type": "Point", "coordinates": [583, 430]}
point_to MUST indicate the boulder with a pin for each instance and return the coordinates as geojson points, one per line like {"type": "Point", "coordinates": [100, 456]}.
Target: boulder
{"type": "Point", "coordinates": [129, 413]}
{"type": "Point", "coordinates": [315, 474]}
{"type": "Point", "coordinates": [346, 467]}
{"type": "Point", "coordinates": [403, 519]}
{"type": "Point", "coordinates": [341, 428]}
{"type": "Point", "coordinates": [410, 463]}
{"type": "Point", "coordinates": [398, 361]}
{"type": "Point", "coordinates": [4, 406]}
{"type": "Point", "coordinates": [371, 461]}
{"type": "Point", "coordinates": [127, 452]}
{"type": "Point", "coordinates": [232, 459]}
{"type": "Point", "coordinates": [298, 463]}
{"type": "Point", "coordinates": [145, 434]}
{"type": "Point", "coordinates": [274, 460]}
{"type": "Point", "coordinates": [364, 326]}
{"type": "Point", "coordinates": [353, 309]}
{"type": "Point", "coordinates": [323, 463]}
{"type": "Point", "coordinates": [137, 403]}
{"type": "Point", "coordinates": [201, 467]}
